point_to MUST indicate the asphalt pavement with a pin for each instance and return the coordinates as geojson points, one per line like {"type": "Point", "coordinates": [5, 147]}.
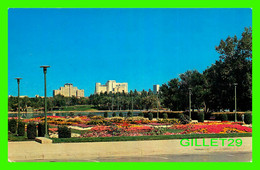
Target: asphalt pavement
{"type": "Point", "coordinates": [209, 157]}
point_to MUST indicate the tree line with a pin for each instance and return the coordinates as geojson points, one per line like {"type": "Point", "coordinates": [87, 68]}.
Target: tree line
{"type": "Point", "coordinates": [212, 90]}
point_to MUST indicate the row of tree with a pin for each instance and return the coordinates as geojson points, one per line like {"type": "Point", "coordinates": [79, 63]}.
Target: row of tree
{"type": "Point", "coordinates": [38, 102]}
{"type": "Point", "coordinates": [214, 88]}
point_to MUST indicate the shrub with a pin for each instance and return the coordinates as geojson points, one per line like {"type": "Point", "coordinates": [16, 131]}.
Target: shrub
{"type": "Point", "coordinates": [91, 114]}
{"type": "Point", "coordinates": [64, 132]}
{"type": "Point", "coordinates": [12, 125]}
{"type": "Point", "coordinates": [71, 114]}
{"type": "Point", "coordinates": [150, 116]}
{"type": "Point", "coordinates": [141, 114]}
{"type": "Point", "coordinates": [21, 129]}
{"type": "Point", "coordinates": [184, 119]}
{"type": "Point", "coordinates": [31, 130]}
{"type": "Point", "coordinates": [248, 118]}
{"type": "Point", "coordinates": [223, 117]}
{"type": "Point", "coordinates": [121, 114]}
{"type": "Point", "coordinates": [201, 117]}
{"type": "Point", "coordinates": [105, 114]}
{"type": "Point", "coordinates": [114, 114]}
{"type": "Point", "coordinates": [165, 116]}
{"type": "Point", "coordinates": [41, 129]}
{"type": "Point", "coordinates": [129, 114]}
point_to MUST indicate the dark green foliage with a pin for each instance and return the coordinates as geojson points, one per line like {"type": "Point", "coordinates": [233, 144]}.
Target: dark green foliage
{"type": "Point", "coordinates": [71, 114]}
{"type": "Point", "coordinates": [41, 129]}
{"type": "Point", "coordinates": [105, 114]}
{"type": "Point", "coordinates": [223, 117]}
{"type": "Point", "coordinates": [21, 129]}
{"type": "Point", "coordinates": [201, 117]}
{"type": "Point", "coordinates": [141, 114]}
{"type": "Point", "coordinates": [184, 119]}
{"type": "Point", "coordinates": [248, 118]}
{"type": "Point", "coordinates": [31, 130]}
{"type": "Point", "coordinates": [165, 115]}
{"type": "Point", "coordinates": [12, 125]}
{"type": "Point", "coordinates": [91, 114]}
{"type": "Point", "coordinates": [129, 114]}
{"type": "Point", "coordinates": [114, 114]}
{"type": "Point", "coordinates": [64, 132]}
{"type": "Point", "coordinates": [121, 114]}
{"type": "Point", "coordinates": [150, 116]}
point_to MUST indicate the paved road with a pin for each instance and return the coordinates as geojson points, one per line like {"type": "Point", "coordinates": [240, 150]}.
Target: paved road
{"type": "Point", "coordinates": [209, 157]}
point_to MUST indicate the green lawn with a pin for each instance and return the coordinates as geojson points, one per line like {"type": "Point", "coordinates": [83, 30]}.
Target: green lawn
{"type": "Point", "coordinates": [138, 138]}
{"type": "Point", "coordinates": [79, 108]}
{"type": "Point", "coordinates": [14, 137]}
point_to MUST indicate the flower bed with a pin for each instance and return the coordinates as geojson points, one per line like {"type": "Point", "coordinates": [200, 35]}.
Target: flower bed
{"type": "Point", "coordinates": [212, 127]}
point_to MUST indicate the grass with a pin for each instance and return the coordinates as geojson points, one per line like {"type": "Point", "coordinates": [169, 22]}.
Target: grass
{"type": "Point", "coordinates": [78, 131]}
{"type": "Point", "coordinates": [79, 108]}
{"type": "Point", "coordinates": [139, 138]}
{"type": "Point", "coordinates": [14, 137]}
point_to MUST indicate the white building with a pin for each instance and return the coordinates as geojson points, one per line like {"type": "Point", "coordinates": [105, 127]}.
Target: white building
{"type": "Point", "coordinates": [156, 88]}
{"type": "Point", "coordinates": [111, 86]}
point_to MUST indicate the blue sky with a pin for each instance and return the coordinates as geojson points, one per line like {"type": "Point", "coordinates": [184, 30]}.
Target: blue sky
{"type": "Point", "coordinates": [139, 46]}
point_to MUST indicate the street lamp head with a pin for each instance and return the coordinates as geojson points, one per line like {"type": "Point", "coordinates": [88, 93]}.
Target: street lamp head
{"type": "Point", "coordinates": [235, 84]}
{"type": "Point", "coordinates": [44, 68]}
{"type": "Point", "coordinates": [18, 80]}
{"type": "Point", "coordinates": [190, 88]}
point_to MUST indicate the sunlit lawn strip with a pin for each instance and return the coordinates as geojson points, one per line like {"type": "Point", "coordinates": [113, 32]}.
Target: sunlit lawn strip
{"type": "Point", "coordinates": [138, 138]}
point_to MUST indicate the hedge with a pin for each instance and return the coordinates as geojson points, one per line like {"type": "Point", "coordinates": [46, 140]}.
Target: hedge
{"type": "Point", "coordinates": [64, 132]}
{"type": "Point", "coordinates": [31, 130]}
{"type": "Point", "coordinates": [21, 129]}
{"type": "Point", "coordinates": [12, 125]}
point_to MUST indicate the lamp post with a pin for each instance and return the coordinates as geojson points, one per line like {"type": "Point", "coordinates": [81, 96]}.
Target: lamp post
{"type": "Point", "coordinates": [18, 82]}
{"type": "Point", "coordinates": [45, 100]}
{"type": "Point", "coordinates": [235, 84]}
{"type": "Point", "coordinates": [190, 103]}
{"type": "Point", "coordinates": [157, 105]}
{"type": "Point", "coordinates": [132, 105]}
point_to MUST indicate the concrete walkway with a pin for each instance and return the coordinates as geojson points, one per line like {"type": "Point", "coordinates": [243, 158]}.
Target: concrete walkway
{"type": "Point", "coordinates": [31, 150]}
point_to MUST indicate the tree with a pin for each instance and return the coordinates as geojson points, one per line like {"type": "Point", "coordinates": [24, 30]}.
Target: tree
{"type": "Point", "coordinates": [234, 66]}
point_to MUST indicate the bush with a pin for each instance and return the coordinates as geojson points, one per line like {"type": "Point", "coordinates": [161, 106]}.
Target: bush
{"type": "Point", "coordinates": [31, 130]}
{"type": "Point", "coordinates": [105, 114]}
{"type": "Point", "coordinates": [165, 116]}
{"type": "Point", "coordinates": [141, 114]}
{"type": "Point", "coordinates": [150, 116]}
{"type": "Point", "coordinates": [91, 114]}
{"type": "Point", "coordinates": [41, 129]}
{"type": "Point", "coordinates": [12, 125]}
{"type": "Point", "coordinates": [248, 118]}
{"type": "Point", "coordinates": [71, 114]}
{"type": "Point", "coordinates": [64, 132]}
{"type": "Point", "coordinates": [129, 114]}
{"type": "Point", "coordinates": [223, 117]}
{"type": "Point", "coordinates": [21, 129]}
{"type": "Point", "coordinates": [121, 114]}
{"type": "Point", "coordinates": [184, 119]}
{"type": "Point", "coordinates": [201, 117]}
{"type": "Point", "coordinates": [114, 114]}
